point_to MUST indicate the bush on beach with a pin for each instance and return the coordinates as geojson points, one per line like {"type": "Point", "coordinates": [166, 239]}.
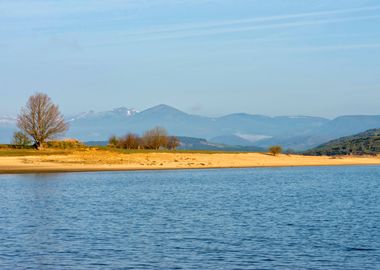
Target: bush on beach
{"type": "Point", "coordinates": [275, 150]}
{"type": "Point", "coordinates": [65, 144]}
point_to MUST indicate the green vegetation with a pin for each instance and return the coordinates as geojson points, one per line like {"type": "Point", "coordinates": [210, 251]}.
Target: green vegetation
{"type": "Point", "coordinates": [54, 147]}
{"type": "Point", "coordinates": [65, 144]}
{"type": "Point", "coordinates": [70, 144]}
{"type": "Point", "coordinates": [366, 143]}
{"type": "Point", "coordinates": [12, 151]}
{"type": "Point", "coordinates": [275, 150]}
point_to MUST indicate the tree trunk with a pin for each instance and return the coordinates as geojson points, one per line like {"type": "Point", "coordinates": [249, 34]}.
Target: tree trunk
{"type": "Point", "coordinates": [38, 146]}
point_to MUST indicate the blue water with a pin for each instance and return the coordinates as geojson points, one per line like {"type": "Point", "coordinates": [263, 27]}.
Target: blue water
{"type": "Point", "coordinates": [285, 218]}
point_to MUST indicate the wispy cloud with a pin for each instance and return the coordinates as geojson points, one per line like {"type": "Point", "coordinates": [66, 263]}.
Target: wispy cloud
{"type": "Point", "coordinates": [117, 22]}
{"type": "Point", "coordinates": [205, 25]}
{"type": "Point", "coordinates": [244, 28]}
{"type": "Point", "coordinates": [341, 47]}
{"type": "Point", "coordinates": [114, 30]}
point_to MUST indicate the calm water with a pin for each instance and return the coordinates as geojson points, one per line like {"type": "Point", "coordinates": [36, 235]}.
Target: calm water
{"type": "Point", "coordinates": [288, 218]}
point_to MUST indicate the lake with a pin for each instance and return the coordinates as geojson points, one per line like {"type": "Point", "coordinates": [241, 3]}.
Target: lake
{"type": "Point", "coordinates": [264, 218]}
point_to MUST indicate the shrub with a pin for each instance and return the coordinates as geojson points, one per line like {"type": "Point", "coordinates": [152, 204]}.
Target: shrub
{"type": "Point", "coordinates": [113, 141]}
{"type": "Point", "coordinates": [21, 140]}
{"type": "Point", "coordinates": [275, 150]}
{"type": "Point", "coordinates": [65, 144]}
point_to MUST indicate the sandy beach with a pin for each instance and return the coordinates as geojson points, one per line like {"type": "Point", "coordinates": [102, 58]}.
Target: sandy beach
{"type": "Point", "coordinates": [86, 161]}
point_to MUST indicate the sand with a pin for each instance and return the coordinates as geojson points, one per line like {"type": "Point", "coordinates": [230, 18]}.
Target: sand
{"type": "Point", "coordinates": [87, 161]}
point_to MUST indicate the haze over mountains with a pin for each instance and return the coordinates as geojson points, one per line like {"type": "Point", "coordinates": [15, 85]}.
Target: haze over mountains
{"type": "Point", "coordinates": [298, 133]}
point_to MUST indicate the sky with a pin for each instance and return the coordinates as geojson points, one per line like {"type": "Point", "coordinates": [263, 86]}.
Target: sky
{"type": "Point", "coordinates": [207, 57]}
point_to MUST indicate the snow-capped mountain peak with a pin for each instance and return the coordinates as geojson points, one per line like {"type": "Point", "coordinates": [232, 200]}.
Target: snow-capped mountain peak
{"type": "Point", "coordinates": [81, 116]}
{"type": "Point", "coordinates": [124, 111]}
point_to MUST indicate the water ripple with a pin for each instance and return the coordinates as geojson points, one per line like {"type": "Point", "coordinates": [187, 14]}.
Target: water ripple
{"type": "Point", "coordinates": [288, 218]}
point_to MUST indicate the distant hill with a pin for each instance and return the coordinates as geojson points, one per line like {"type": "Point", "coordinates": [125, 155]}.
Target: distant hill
{"type": "Point", "coordinates": [231, 140]}
{"type": "Point", "coordinates": [365, 143]}
{"type": "Point", "coordinates": [234, 129]}
{"type": "Point", "coordinates": [291, 132]}
{"type": "Point", "coordinates": [190, 143]}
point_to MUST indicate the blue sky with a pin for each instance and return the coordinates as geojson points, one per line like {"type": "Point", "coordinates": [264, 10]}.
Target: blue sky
{"type": "Point", "coordinates": [210, 57]}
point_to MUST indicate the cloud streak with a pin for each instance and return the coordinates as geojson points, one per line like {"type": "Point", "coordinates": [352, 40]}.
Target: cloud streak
{"type": "Point", "coordinates": [105, 30]}
{"type": "Point", "coordinates": [337, 47]}
{"type": "Point", "coordinates": [101, 23]}
{"type": "Point", "coordinates": [218, 31]}
{"type": "Point", "coordinates": [200, 26]}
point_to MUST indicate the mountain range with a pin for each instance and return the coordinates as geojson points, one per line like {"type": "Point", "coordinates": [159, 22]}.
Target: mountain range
{"type": "Point", "coordinates": [291, 132]}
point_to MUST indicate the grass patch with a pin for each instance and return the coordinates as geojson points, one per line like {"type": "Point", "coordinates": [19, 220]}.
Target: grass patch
{"type": "Point", "coordinates": [8, 151]}
{"type": "Point", "coordinates": [12, 152]}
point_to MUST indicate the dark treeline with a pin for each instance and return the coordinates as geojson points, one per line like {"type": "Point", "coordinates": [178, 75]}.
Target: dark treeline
{"type": "Point", "coordinates": [155, 139]}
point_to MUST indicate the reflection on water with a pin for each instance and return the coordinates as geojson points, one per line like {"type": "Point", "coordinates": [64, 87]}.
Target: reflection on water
{"type": "Point", "coordinates": [284, 218]}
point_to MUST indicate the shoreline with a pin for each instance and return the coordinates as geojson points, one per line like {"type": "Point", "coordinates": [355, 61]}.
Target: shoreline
{"type": "Point", "coordinates": [106, 161]}
{"type": "Point", "coordinates": [94, 170]}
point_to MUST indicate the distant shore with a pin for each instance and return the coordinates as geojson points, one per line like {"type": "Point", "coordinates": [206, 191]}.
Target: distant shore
{"type": "Point", "coordinates": [103, 160]}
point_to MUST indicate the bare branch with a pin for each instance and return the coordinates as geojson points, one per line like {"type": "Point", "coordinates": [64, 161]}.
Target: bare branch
{"type": "Point", "coordinates": [41, 119]}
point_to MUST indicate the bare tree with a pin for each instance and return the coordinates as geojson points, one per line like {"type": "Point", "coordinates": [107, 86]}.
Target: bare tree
{"type": "Point", "coordinates": [130, 141]}
{"type": "Point", "coordinates": [173, 143]}
{"type": "Point", "coordinates": [41, 119]}
{"type": "Point", "coordinates": [155, 138]}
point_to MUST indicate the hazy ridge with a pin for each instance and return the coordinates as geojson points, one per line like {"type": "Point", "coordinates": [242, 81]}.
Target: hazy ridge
{"type": "Point", "coordinates": [294, 132]}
